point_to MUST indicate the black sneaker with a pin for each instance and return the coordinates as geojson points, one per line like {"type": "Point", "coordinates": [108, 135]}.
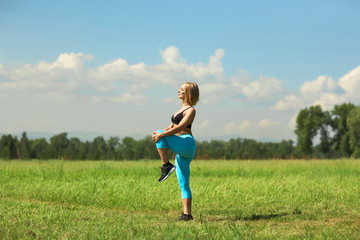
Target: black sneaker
{"type": "Point", "coordinates": [185, 217]}
{"type": "Point", "coordinates": [166, 171]}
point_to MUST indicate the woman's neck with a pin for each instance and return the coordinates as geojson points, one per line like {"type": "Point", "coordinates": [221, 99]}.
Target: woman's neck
{"type": "Point", "coordinates": [186, 105]}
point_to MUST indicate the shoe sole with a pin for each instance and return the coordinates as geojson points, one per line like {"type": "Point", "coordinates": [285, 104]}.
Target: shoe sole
{"type": "Point", "coordinates": [167, 175]}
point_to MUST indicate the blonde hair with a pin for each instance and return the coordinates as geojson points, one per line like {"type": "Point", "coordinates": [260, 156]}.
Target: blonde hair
{"type": "Point", "coordinates": [192, 93]}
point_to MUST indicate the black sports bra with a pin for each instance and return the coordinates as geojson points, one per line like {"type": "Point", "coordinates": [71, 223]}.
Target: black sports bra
{"type": "Point", "coordinates": [177, 119]}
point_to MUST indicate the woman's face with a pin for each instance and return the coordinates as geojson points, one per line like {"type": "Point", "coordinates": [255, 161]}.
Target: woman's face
{"type": "Point", "coordinates": [181, 93]}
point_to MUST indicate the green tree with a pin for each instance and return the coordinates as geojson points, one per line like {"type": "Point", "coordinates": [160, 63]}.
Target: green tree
{"type": "Point", "coordinates": [145, 149]}
{"type": "Point", "coordinates": [233, 148]}
{"type": "Point", "coordinates": [113, 144]}
{"type": "Point", "coordinates": [308, 123]}
{"type": "Point", "coordinates": [286, 149]}
{"type": "Point", "coordinates": [59, 143]}
{"type": "Point", "coordinates": [341, 138]}
{"type": "Point", "coordinates": [75, 150]}
{"type": "Point", "coordinates": [24, 147]}
{"type": "Point", "coordinates": [353, 123]}
{"type": "Point", "coordinates": [41, 149]}
{"type": "Point", "coordinates": [128, 148]}
{"type": "Point", "coordinates": [304, 131]}
{"type": "Point", "coordinates": [324, 123]}
{"type": "Point", "coordinates": [250, 149]}
{"type": "Point", "coordinates": [217, 149]}
{"type": "Point", "coordinates": [202, 150]}
{"type": "Point", "coordinates": [8, 148]}
{"type": "Point", "coordinates": [98, 149]}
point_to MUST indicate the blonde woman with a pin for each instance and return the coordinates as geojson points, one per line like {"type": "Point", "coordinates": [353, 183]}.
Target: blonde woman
{"type": "Point", "coordinates": [178, 137]}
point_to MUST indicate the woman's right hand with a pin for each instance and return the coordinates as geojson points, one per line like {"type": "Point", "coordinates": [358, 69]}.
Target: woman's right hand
{"type": "Point", "coordinates": [156, 137]}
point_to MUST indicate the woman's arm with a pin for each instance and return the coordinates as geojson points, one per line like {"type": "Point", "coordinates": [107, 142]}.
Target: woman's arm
{"type": "Point", "coordinates": [188, 117]}
{"type": "Point", "coordinates": [170, 126]}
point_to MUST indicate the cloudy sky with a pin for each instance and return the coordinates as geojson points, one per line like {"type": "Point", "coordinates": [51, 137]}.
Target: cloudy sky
{"type": "Point", "coordinates": [114, 67]}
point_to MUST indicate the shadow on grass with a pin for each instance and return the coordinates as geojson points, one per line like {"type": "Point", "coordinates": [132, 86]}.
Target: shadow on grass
{"type": "Point", "coordinates": [256, 217]}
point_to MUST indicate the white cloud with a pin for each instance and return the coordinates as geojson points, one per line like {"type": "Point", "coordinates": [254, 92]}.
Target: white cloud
{"type": "Point", "coordinates": [136, 99]}
{"type": "Point", "coordinates": [241, 78]}
{"type": "Point", "coordinates": [205, 124]}
{"type": "Point", "coordinates": [265, 123]}
{"type": "Point", "coordinates": [230, 128]}
{"type": "Point", "coordinates": [174, 67]}
{"type": "Point", "coordinates": [72, 61]}
{"type": "Point", "coordinates": [169, 100]}
{"type": "Point", "coordinates": [259, 89]}
{"type": "Point", "coordinates": [233, 128]}
{"type": "Point", "coordinates": [57, 96]}
{"type": "Point", "coordinates": [256, 129]}
{"type": "Point", "coordinates": [290, 102]}
{"type": "Point", "coordinates": [105, 87]}
{"type": "Point", "coordinates": [292, 122]}
{"type": "Point", "coordinates": [312, 89]}
{"type": "Point", "coordinates": [322, 91]}
{"type": "Point", "coordinates": [96, 99]}
{"type": "Point", "coordinates": [350, 82]}
{"type": "Point", "coordinates": [262, 88]}
{"type": "Point", "coordinates": [172, 70]}
{"type": "Point", "coordinates": [61, 75]}
{"type": "Point", "coordinates": [214, 92]}
{"type": "Point", "coordinates": [171, 56]}
{"type": "Point", "coordinates": [137, 87]}
{"type": "Point", "coordinates": [328, 100]}
{"type": "Point", "coordinates": [331, 84]}
{"type": "Point", "coordinates": [67, 75]}
{"type": "Point", "coordinates": [244, 125]}
{"type": "Point", "coordinates": [215, 65]}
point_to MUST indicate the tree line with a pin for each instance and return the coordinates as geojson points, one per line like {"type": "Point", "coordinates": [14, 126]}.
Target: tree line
{"type": "Point", "coordinates": [338, 133]}
{"type": "Point", "coordinates": [62, 147]}
{"type": "Point", "coordinates": [114, 148]}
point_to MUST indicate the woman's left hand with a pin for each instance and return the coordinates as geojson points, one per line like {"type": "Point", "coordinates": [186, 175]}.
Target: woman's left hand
{"type": "Point", "coordinates": [156, 137]}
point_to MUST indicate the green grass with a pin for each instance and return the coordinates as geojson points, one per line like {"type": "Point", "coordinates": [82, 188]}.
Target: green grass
{"type": "Point", "coordinates": [231, 200]}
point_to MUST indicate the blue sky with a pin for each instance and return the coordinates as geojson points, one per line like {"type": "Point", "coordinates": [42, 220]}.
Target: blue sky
{"type": "Point", "coordinates": [114, 67]}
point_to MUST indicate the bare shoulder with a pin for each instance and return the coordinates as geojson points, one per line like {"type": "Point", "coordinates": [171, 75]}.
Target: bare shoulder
{"type": "Point", "coordinates": [190, 111]}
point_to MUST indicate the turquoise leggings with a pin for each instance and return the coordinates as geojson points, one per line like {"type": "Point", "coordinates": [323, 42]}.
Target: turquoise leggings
{"type": "Point", "coordinates": [184, 146]}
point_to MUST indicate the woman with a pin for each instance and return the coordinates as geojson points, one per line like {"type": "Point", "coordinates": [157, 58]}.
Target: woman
{"type": "Point", "coordinates": [178, 137]}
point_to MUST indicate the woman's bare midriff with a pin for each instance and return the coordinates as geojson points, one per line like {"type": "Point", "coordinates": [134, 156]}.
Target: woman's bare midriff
{"type": "Point", "coordinates": [185, 131]}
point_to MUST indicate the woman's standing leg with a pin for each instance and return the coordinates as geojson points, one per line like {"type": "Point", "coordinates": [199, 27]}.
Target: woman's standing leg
{"type": "Point", "coordinates": [187, 205]}
{"type": "Point", "coordinates": [183, 175]}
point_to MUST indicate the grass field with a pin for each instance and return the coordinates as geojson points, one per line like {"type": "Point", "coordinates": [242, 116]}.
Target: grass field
{"type": "Point", "coordinates": [231, 200]}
